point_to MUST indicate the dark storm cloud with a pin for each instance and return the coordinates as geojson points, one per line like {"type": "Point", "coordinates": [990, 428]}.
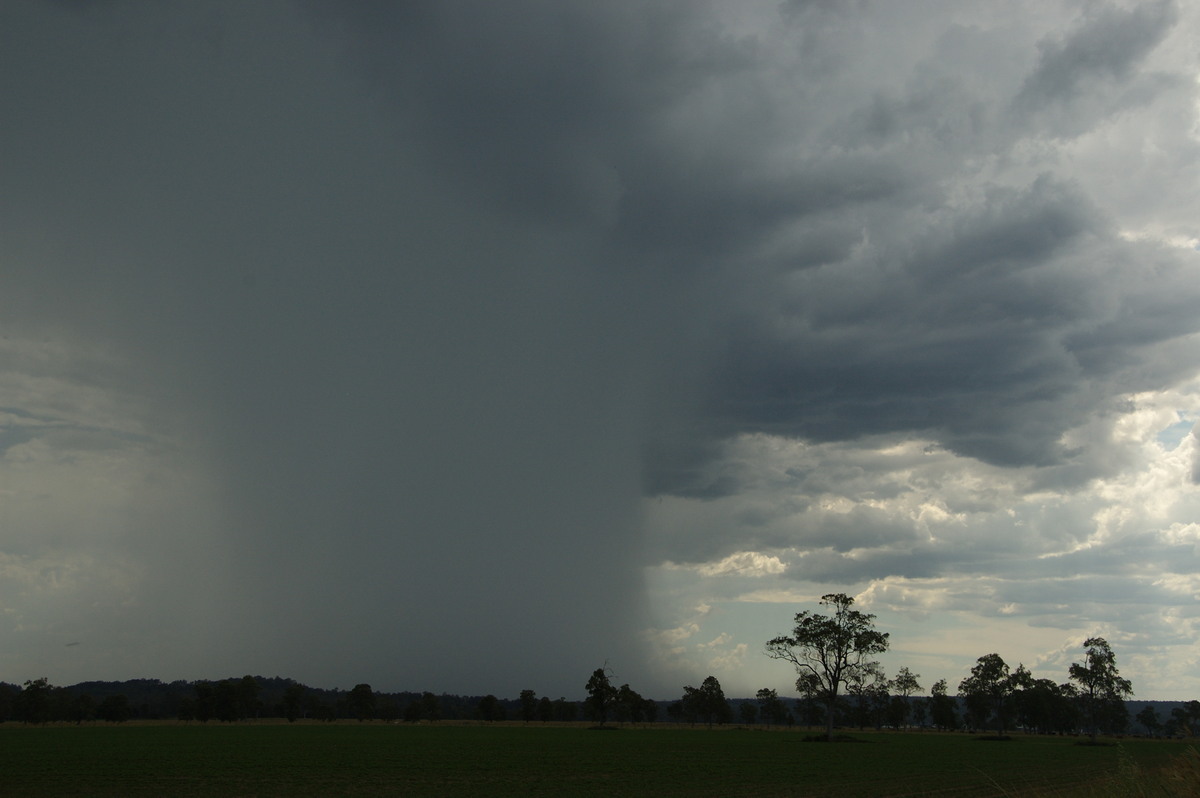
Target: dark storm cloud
{"type": "Point", "coordinates": [554, 109]}
{"type": "Point", "coordinates": [995, 333]}
{"type": "Point", "coordinates": [417, 407]}
{"type": "Point", "coordinates": [434, 291]}
{"type": "Point", "coordinates": [983, 323]}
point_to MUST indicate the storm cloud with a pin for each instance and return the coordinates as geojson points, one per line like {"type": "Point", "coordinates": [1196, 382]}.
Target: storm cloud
{"type": "Point", "coordinates": [404, 343]}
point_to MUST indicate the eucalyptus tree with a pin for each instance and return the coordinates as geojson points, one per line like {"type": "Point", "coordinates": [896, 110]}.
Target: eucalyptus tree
{"type": "Point", "coordinates": [361, 702]}
{"type": "Point", "coordinates": [707, 702]}
{"type": "Point", "coordinates": [1047, 707]}
{"type": "Point", "coordinates": [629, 705]}
{"type": "Point", "coordinates": [834, 650]}
{"type": "Point", "coordinates": [903, 686]}
{"type": "Point", "coordinates": [32, 704]}
{"type": "Point", "coordinates": [811, 705]}
{"type": "Point", "coordinates": [869, 691]}
{"type": "Point", "coordinates": [990, 688]}
{"type": "Point", "coordinates": [528, 705]}
{"type": "Point", "coordinates": [601, 695]}
{"type": "Point", "coordinates": [943, 710]}
{"type": "Point", "coordinates": [770, 707]}
{"type": "Point", "coordinates": [1148, 717]}
{"type": "Point", "coordinates": [293, 695]}
{"type": "Point", "coordinates": [1102, 691]}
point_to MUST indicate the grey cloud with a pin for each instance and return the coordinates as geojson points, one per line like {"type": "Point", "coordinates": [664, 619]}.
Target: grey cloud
{"type": "Point", "coordinates": [1133, 606]}
{"type": "Point", "coordinates": [1195, 433]}
{"type": "Point", "coordinates": [963, 325]}
{"type": "Point", "coordinates": [433, 293]}
{"type": "Point", "coordinates": [825, 566]}
{"type": "Point", "coordinates": [861, 528]}
{"type": "Point", "coordinates": [1108, 45]}
{"type": "Point", "coordinates": [404, 403]}
{"type": "Point", "coordinates": [13, 435]}
{"type": "Point", "coordinates": [1110, 574]}
{"type": "Point", "coordinates": [558, 109]}
{"type": "Point", "coordinates": [995, 336]}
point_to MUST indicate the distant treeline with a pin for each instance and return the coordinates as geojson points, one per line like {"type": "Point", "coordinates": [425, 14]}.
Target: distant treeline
{"type": "Point", "coordinates": [251, 697]}
{"type": "Point", "coordinates": [257, 697]}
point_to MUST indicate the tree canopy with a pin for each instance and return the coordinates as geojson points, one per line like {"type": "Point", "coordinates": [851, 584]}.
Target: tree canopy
{"type": "Point", "coordinates": [1101, 687]}
{"type": "Point", "coordinates": [601, 695]}
{"type": "Point", "coordinates": [834, 650]}
{"type": "Point", "coordinates": [989, 688]}
{"type": "Point", "coordinates": [707, 702]}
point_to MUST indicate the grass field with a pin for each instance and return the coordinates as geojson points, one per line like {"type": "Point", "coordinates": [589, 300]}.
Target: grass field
{"type": "Point", "coordinates": [475, 760]}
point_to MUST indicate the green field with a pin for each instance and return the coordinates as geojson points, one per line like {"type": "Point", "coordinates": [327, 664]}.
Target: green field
{"type": "Point", "coordinates": [474, 760]}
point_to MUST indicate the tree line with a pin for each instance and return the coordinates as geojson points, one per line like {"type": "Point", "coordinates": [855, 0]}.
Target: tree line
{"type": "Point", "coordinates": [253, 697]}
{"type": "Point", "coordinates": [1040, 706]}
{"type": "Point", "coordinates": [840, 683]}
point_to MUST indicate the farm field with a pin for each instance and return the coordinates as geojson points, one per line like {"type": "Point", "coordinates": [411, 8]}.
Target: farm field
{"type": "Point", "coordinates": [448, 760]}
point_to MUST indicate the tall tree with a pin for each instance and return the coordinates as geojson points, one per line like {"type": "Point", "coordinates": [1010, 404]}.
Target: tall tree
{"type": "Point", "coordinates": [490, 709]}
{"type": "Point", "coordinates": [943, 711]}
{"type": "Point", "coordinates": [1180, 723]}
{"type": "Point", "coordinates": [565, 710]}
{"type": "Point", "coordinates": [528, 705]}
{"type": "Point", "coordinates": [202, 704]}
{"type": "Point", "coordinates": [811, 704]}
{"type": "Point", "coordinates": [707, 702]}
{"type": "Point", "coordinates": [835, 649]}
{"type": "Point", "coordinates": [601, 695]}
{"type": "Point", "coordinates": [630, 706]}
{"type": "Point", "coordinates": [649, 710]}
{"type": "Point", "coordinates": [1046, 707]}
{"type": "Point", "coordinates": [293, 695]}
{"type": "Point", "coordinates": [8, 698]}
{"type": "Point", "coordinates": [1148, 717]}
{"type": "Point", "coordinates": [988, 690]}
{"type": "Point", "coordinates": [904, 685]}
{"type": "Point", "coordinates": [32, 704]}
{"type": "Point", "coordinates": [227, 707]}
{"type": "Point", "coordinates": [247, 697]}
{"type": "Point", "coordinates": [1193, 710]}
{"type": "Point", "coordinates": [868, 690]}
{"type": "Point", "coordinates": [428, 708]}
{"type": "Point", "coordinates": [770, 707]}
{"type": "Point", "coordinates": [361, 702]}
{"type": "Point", "coordinates": [920, 709]}
{"type": "Point", "coordinates": [1101, 688]}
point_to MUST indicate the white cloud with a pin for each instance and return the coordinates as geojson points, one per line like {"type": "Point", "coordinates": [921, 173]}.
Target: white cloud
{"type": "Point", "coordinates": [720, 640]}
{"type": "Point", "coordinates": [1035, 563]}
{"type": "Point", "coordinates": [670, 637]}
{"type": "Point", "coordinates": [729, 660]}
{"type": "Point", "coordinates": [744, 563]}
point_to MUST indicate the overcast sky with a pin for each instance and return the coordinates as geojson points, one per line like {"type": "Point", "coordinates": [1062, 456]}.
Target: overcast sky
{"type": "Point", "coordinates": [470, 346]}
